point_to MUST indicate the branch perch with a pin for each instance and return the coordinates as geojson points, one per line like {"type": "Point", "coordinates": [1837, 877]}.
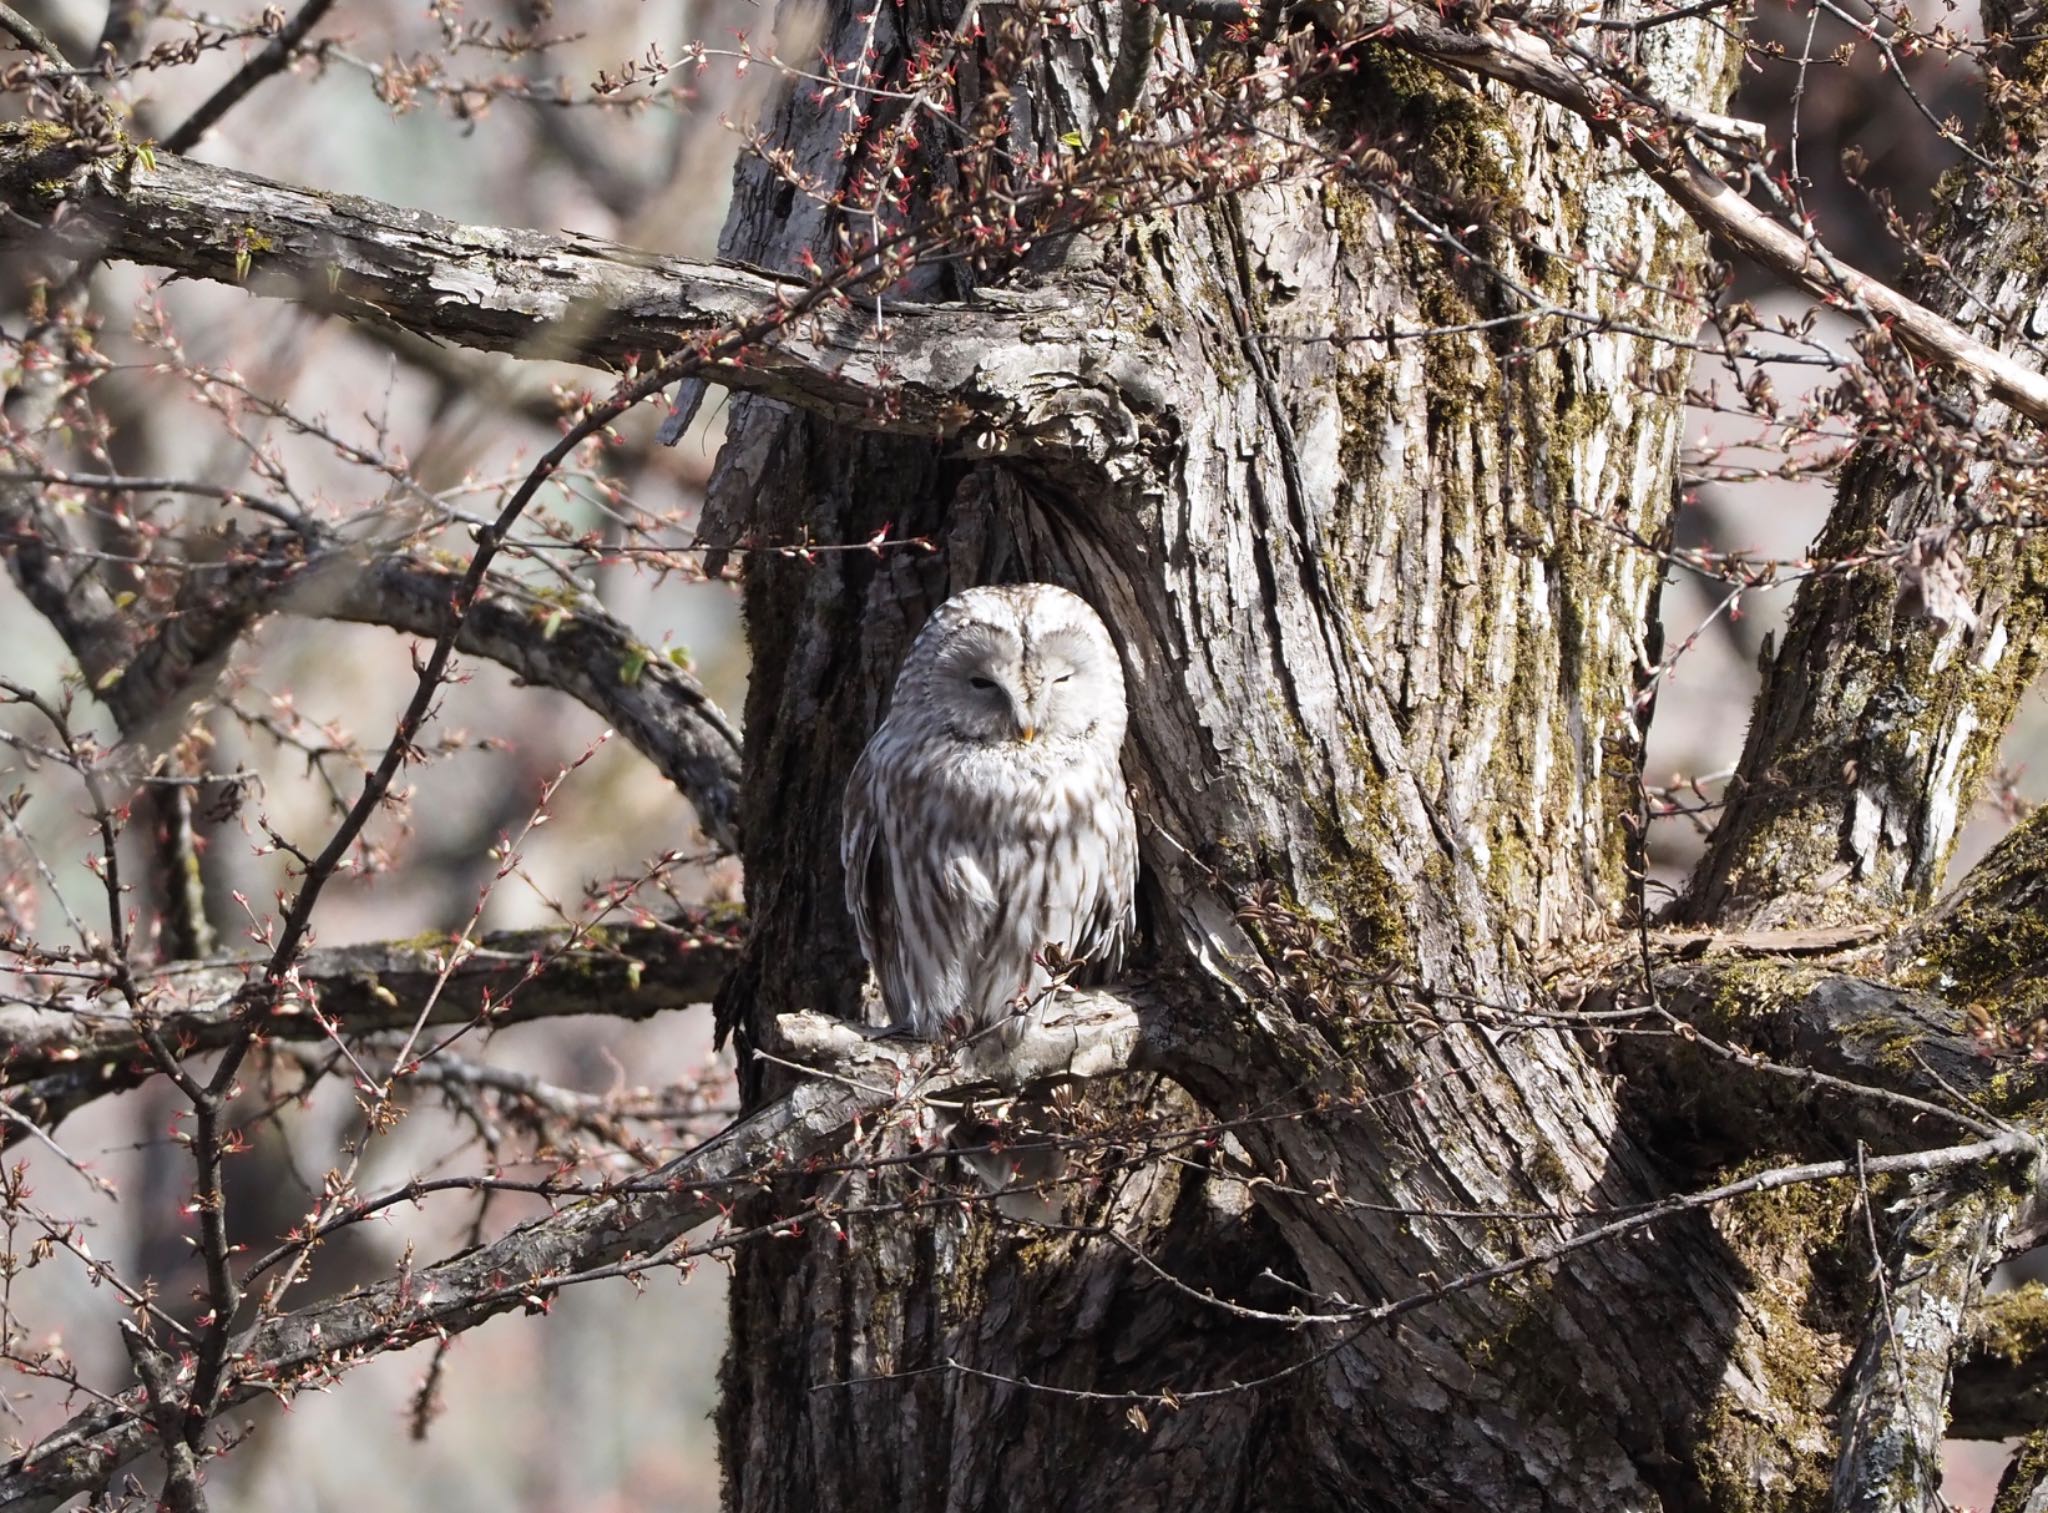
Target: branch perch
{"type": "Point", "coordinates": [632, 1231]}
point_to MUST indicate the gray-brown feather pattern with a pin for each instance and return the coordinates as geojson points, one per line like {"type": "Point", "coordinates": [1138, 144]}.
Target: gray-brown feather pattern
{"type": "Point", "coordinates": [988, 818]}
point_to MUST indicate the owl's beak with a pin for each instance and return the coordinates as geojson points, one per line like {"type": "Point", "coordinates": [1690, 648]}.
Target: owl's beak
{"type": "Point", "coordinates": [1027, 733]}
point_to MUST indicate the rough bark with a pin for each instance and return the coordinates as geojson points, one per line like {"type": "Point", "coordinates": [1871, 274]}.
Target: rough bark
{"type": "Point", "coordinates": [1378, 640]}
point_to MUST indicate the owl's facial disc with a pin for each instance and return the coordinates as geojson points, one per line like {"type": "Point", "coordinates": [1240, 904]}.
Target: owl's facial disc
{"type": "Point", "coordinates": [1002, 686]}
{"type": "Point", "coordinates": [1062, 679]}
{"type": "Point", "coordinates": [984, 691]}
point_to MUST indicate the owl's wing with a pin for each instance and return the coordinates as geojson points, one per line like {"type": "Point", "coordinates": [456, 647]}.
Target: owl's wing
{"type": "Point", "coordinates": [867, 877]}
{"type": "Point", "coordinates": [1108, 913]}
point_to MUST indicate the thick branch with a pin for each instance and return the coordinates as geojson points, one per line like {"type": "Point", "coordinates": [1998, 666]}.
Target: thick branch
{"type": "Point", "coordinates": [937, 369]}
{"type": "Point", "coordinates": [1818, 1054]}
{"type": "Point", "coordinates": [573, 646]}
{"type": "Point", "coordinates": [1895, 1408]}
{"type": "Point", "coordinates": [1814, 1053]}
{"type": "Point", "coordinates": [81, 1047]}
{"type": "Point", "coordinates": [1527, 60]}
{"type": "Point", "coordinates": [629, 1232]}
{"type": "Point", "coordinates": [576, 648]}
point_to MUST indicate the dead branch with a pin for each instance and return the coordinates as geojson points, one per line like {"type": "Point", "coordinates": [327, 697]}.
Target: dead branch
{"type": "Point", "coordinates": [78, 1046]}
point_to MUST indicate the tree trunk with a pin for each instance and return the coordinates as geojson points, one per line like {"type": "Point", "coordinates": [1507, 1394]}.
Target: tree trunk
{"type": "Point", "coordinates": [1383, 622]}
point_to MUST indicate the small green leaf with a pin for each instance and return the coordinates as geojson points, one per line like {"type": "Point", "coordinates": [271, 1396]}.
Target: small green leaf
{"type": "Point", "coordinates": [552, 622]}
{"type": "Point", "coordinates": [241, 265]}
{"type": "Point", "coordinates": [634, 665]}
{"type": "Point", "coordinates": [108, 679]}
{"type": "Point", "coordinates": [1072, 139]}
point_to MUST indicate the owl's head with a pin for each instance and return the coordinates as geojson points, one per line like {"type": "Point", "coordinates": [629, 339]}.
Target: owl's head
{"type": "Point", "coordinates": [1024, 664]}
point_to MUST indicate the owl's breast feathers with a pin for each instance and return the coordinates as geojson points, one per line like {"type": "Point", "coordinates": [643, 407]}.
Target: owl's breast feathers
{"type": "Point", "coordinates": [963, 867]}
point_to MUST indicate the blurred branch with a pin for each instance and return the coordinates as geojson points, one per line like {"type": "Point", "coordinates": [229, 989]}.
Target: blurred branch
{"type": "Point", "coordinates": [126, 23]}
{"type": "Point", "coordinates": [576, 648]}
{"type": "Point", "coordinates": [81, 1046]}
{"type": "Point", "coordinates": [538, 294]}
{"type": "Point", "coordinates": [625, 1234]}
{"type": "Point", "coordinates": [30, 37]}
{"type": "Point", "coordinates": [273, 59]}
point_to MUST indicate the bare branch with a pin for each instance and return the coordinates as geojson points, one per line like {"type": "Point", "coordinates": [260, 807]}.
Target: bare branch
{"type": "Point", "coordinates": [625, 1234]}
{"type": "Point", "coordinates": [31, 37]}
{"type": "Point", "coordinates": [540, 295]}
{"type": "Point", "coordinates": [571, 645]}
{"type": "Point", "coordinates": [77, 1048]}
{"type": "Point", "coordinates": [577, 648]}
{"type": "Point", "coordinates": [182, 1492]}
{"type": "Point", "coordinates": [275, 56]}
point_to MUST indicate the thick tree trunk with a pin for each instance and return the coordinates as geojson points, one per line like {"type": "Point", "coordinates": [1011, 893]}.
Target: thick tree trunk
{"type": "Point", "coordinates": [1382, 621]}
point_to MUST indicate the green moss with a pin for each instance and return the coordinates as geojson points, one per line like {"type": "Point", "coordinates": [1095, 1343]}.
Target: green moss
{"type": "Point", "coordinates": [426, 940]}
{"type": "Point", "coordinates": [1362, 402]}
{"type": "Point", "coordinates": [1807, 1306]}
{"type": "Point", "coordinates": [2029, 1470]}
{"type": "Point", "coordinates": [1990, 955]}
{"type": "Point", "coordinates": [1745, 991]}
{"type": "Point", "coordinates": [1547, 1170]}
{"type": "Point", "coordinates": [2013, 1326]}
{"type": "Point", "coordinates": [32, 136]}
{"type": "Point", "coordinates": [1423, 116]}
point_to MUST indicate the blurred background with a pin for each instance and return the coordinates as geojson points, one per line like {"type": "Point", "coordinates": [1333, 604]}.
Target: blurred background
{"type": "Point", "coordinates": [601, 1405]}
{"type": "Point", "coordinates": [487, 113]}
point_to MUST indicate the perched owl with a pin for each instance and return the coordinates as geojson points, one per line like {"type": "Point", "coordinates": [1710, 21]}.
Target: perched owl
{"type": "Point", "coordinates": [988, 819]}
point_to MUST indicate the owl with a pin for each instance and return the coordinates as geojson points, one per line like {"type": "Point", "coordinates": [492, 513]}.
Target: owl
{"type": "Point", "coordinates": [987, 819]}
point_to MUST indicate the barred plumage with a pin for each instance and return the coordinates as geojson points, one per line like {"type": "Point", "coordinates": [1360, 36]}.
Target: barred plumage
{"type": "Point", "coordinates": [987, 818]}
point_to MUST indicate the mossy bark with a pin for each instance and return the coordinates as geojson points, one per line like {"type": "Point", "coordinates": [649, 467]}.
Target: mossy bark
{"type": "Point", "coordinates": [1381, 619]}
{"type": "Point", "coordinates": [1875, 725]}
